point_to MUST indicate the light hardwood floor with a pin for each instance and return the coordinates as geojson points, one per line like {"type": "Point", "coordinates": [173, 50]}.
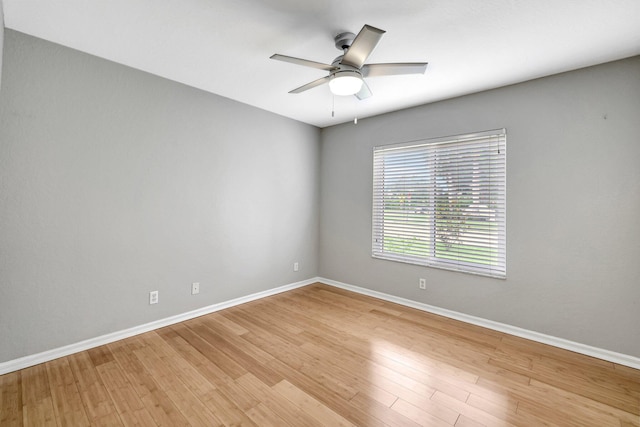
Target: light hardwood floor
{"type": "Point", "coordinates": [316, 356]}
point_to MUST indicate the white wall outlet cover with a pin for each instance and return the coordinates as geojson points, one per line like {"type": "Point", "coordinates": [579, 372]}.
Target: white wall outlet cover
{"type": "Point", "coordinates": [195, 288]}
{"type": "Point", "coordinates": [153, 297]}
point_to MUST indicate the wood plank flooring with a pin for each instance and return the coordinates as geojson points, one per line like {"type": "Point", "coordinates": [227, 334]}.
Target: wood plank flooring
{"type": "Point", "coordinates": [322, 356]}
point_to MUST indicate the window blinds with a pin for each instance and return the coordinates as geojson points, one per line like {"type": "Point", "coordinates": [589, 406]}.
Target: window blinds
{"type": "Point", "coordinates": [442, 203]}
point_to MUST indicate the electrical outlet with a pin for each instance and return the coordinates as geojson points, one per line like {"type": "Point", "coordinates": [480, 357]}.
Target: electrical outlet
{"type": "Point", "coordinates": [422, 283]}
{"type": "Point", "coordinates": [296, 266]}
{"type": "Point", "coordinates": [195, 288]}
{"type": "Point", "coordinates": [153, 297]}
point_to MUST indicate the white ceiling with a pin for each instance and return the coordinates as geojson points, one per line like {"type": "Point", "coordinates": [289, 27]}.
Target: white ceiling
{"type": "Point", "coordinates": [223, 46]}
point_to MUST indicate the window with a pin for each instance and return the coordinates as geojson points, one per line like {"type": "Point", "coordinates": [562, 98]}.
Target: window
{"type": "Point", "coordinates": [442, 203]}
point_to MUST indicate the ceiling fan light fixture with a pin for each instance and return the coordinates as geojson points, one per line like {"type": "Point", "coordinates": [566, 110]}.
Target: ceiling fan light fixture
{"type": "Point", "coordinates": [346, 82]}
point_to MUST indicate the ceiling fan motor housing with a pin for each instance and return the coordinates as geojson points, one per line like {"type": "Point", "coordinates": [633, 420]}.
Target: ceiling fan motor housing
{"type": "Point", "coordinates": [344, 40]}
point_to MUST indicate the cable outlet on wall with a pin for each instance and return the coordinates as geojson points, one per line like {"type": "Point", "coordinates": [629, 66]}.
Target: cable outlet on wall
{"type": "Point", "coordinates": [195, 288]}
{"type": "Point", "coordinates": [296, 266]}
{"type": "Point", "coordinates": [153, 297]}
{"type": "Point", "coordinates": [422, 283]}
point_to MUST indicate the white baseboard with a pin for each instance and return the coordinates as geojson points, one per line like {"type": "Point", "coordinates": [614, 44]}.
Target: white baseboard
{"type": "Point", "coordinates": [45, 356]}
{"type": "Point", "coordinates": [31, 360]}
{"type": "Point", "coordinates": [619, 358]}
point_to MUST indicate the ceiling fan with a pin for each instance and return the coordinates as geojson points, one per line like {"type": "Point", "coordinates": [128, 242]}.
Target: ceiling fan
{"type": "Point", "coordinates": [347, 71]}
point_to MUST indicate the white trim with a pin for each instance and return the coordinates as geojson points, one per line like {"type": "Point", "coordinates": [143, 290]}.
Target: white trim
{"type": "Point", "coordinates": [31, 360]}
{"type": "Point", "coordinates": [45, 356]}
{"type": "Point", "coordinates": [611, 356]}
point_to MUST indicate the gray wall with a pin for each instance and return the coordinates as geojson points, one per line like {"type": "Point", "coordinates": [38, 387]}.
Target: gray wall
{"type": "Point", "coordinates": [114, 182]}
{"type": "Point", "coordinates": [573, 205]}
{"type": "Point", "coordinates": [1, 39]}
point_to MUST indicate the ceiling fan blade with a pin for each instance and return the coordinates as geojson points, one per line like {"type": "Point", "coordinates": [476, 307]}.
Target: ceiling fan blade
{"type": "Point", "coordinates": [303, 62]}
{"type": "Point", "coordinates": [377, 70]}
{"type": "Point", "coordinates": [311, 85]}
{"type": "Point", "coordinates": [362, 46]}
{"type": "Point", "coordinates": [364, 92]}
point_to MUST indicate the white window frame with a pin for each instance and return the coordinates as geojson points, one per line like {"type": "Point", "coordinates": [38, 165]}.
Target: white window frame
{"type": "Point", "coordinates": [441, 203]}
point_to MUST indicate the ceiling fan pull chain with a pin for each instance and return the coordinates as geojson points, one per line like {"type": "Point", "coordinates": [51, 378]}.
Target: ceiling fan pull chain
{"type": "Point", "coordinates": [355, 116]}
{"type": "Point", "coordinates": [333, 105]}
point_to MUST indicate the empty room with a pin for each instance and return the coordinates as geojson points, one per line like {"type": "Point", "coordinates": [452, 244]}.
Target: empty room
{"type": "Point", "coordinates": [288, 213]}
